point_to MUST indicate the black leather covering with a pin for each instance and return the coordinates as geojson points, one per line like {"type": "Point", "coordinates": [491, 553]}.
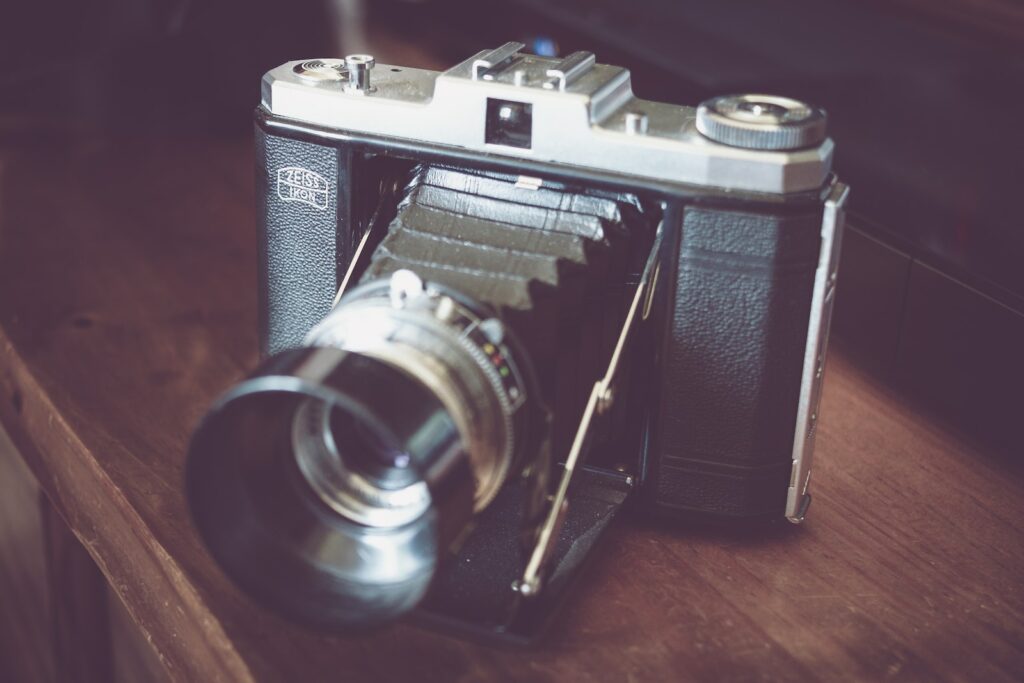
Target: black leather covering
{"type": "Point", "coordinates": [473, 592]}
{"type": "Point", "coordinates": [731, 362]}
{"type": "Point", "coordinates": [298, 240]}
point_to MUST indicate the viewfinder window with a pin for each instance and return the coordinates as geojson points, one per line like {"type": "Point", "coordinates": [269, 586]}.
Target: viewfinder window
{"type": "Point", "coordinates": [509, 123]}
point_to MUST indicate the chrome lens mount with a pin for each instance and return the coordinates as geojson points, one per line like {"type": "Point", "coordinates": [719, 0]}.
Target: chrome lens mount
{"type": "Point", "coordinates": [460, 355]}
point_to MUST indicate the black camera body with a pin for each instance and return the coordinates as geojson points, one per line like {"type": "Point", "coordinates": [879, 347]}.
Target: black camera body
{"type": "Point", "coordinates": [658, 278]}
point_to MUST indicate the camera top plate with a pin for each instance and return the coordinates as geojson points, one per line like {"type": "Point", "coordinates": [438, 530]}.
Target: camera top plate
{"type": "Point", "coordinates": [571, 111]}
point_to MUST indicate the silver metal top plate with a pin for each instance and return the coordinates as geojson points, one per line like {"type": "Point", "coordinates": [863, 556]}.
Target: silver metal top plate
{"type": "Point", "coordinates": [585, 122]}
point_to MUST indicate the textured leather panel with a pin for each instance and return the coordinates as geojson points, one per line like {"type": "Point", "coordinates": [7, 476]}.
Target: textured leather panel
{"type": "Point", "coordinates": [733, 362]}
{"type": "Point", "coordinates": [298, 237]}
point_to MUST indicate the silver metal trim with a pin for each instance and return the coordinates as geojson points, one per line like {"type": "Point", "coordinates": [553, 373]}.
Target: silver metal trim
{"type": "Point", "coordinates": [590, 124]}
{"type": "Point", "coordinates": [636, 123]}
{"type": "Point", "coordinates": [493, 59]}
{"type": "Point", "coordinates": [359, 68]}
{"type": "Point", "coordinates": [569, 69]}
{"type": "Point", "coordinates": [822, 300]}
{"type": "Point", "coordinates": [350, 272]}
{"type": "Point", "coordinates": [420, 330]}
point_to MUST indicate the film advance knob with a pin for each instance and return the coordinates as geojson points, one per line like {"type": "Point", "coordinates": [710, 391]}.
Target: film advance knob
{"type": "Point", "coordinates": [765, 122]}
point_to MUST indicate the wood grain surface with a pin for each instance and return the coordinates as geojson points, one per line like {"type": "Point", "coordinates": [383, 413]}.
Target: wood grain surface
{"type": "Point", "coordinates": [82, 648]}
{"type": "Point", "coordinates": [127, 303]}
{"type": "Point", "coordinates": [26, 655]}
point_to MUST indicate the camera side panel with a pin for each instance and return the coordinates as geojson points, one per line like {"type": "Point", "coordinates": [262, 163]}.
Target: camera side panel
{"type": "Point", "coordinates": [731, 361]}
{"type": "Point", "coordinates": [303, 209]}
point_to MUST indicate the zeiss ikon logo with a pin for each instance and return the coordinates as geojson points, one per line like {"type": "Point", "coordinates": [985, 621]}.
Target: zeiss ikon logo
{"type": "Point", "coordinates": [296, 184]}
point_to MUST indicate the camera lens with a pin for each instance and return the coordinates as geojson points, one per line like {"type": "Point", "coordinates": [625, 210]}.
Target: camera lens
{"type": "Point", "coordinates": [329, 484]}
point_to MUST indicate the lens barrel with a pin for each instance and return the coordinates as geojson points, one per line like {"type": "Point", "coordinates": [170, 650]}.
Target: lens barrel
{"type": "Point", "coordinates": [330, 484]}
{"type": "Point", "coordinates": [327, 485]}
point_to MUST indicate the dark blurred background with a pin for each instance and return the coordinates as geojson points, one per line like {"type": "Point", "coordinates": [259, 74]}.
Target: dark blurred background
{"type": "Point", "coordinates": [924, 101]}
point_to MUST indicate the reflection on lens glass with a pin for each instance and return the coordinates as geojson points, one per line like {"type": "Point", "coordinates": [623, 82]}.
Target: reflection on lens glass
{"type": "Point", "coordinates": [356, 469]}
{"type": "Point", "coordinates": [368, 453]}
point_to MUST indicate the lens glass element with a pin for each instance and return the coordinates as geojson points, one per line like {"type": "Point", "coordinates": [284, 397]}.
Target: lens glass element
{"type": "Point", "coordinates": [355, 469]}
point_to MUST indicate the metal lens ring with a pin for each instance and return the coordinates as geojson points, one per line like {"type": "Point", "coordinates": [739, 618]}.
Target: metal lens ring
{"type": "Point", "coordinates": [452, 350]}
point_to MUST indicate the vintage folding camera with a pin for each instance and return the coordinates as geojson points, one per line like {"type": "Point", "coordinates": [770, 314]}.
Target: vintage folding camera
{"type": "Point", "coordinates": [497, 304]}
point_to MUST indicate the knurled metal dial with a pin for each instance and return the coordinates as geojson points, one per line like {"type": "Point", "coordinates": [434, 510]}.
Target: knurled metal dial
{"type": "Point", "coordinates": [765, 122]}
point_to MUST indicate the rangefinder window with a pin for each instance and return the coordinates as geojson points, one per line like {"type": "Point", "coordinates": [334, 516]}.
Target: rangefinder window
{"type": "Point", "coordinates": [509, 123]}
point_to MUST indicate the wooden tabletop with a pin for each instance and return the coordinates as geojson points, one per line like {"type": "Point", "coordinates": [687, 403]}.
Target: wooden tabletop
{"type": "Point", "coordinates": [127, 303]}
